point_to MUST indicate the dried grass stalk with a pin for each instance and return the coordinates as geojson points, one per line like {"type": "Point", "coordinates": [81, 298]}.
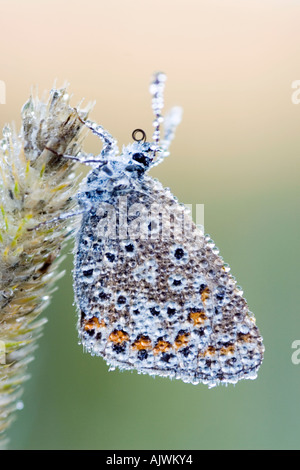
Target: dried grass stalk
{"type": "Point", "coordinates": [35, 185]}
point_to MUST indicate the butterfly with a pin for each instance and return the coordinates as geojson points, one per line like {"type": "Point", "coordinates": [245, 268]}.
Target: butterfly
{"type": "Point", "coordinates": [152, 292]}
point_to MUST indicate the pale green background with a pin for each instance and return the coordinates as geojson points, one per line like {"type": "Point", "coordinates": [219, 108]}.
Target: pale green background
{"type": "Point", "coordinates": [230, 64]}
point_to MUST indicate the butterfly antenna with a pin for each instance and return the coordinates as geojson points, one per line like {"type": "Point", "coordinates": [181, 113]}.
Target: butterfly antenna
{"type": "Point", "coordinates": [171, 120]}
{"type": "Point", "coordinates": [157, 87]}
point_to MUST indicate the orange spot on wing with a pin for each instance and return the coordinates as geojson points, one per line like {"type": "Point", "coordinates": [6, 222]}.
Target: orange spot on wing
{"type": "Point", "coordinates": [229, 350]}
{"type": "Point", "coordinates": [162, 346]}
{"type": "Point", "coordinates": [143, 342]}
{"type": "Point", "coordinates": [210, 351]}
{"type": "Point", "coordinates": [205, 294]}
{"type": "Point", "coordinates": [197, 318]}
{"type": "Point", "coordinates": [118, 336]}
{"type": "Point", "coordinates": [244, 338]}
{"type": "Point", "coordinates": [93, 323]}
{"type": "Point", "coordinates": [181, 340]}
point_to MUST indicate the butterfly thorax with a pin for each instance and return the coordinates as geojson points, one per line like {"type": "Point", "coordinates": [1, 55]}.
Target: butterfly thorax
{"type": "Point", "coordinates": [117, 176]}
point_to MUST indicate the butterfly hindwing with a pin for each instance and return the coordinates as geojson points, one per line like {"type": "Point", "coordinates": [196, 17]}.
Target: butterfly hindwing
{"type": "Point", "coordinates": [154, 295]}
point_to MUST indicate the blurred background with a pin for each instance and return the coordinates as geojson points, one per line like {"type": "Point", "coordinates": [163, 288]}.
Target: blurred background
{"type": "Point", "coordinates": [230, 65]}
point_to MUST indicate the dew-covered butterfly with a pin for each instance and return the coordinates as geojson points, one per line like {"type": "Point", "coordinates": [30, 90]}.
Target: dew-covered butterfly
{"type": "Point", "coordinates": [152, 292]}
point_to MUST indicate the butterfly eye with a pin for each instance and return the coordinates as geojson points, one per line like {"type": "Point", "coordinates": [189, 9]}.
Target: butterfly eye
{"type": "Point", "coordinates": [141, 158]}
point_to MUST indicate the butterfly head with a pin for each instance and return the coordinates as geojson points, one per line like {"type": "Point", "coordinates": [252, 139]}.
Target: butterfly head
{"type": "Point", "coordinates": [139, 155]}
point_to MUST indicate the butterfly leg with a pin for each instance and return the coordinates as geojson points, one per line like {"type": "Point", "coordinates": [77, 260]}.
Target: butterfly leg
{"type": "Point", "coordinates": [110, 147]}
{"type": "Point", "coordinates": [82, 157]}
{"type": "Point", "coordinates": [58, 219]}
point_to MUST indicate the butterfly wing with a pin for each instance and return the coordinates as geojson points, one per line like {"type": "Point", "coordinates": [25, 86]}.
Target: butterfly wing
{"type": "Point", "coordinates": [154, 295]}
